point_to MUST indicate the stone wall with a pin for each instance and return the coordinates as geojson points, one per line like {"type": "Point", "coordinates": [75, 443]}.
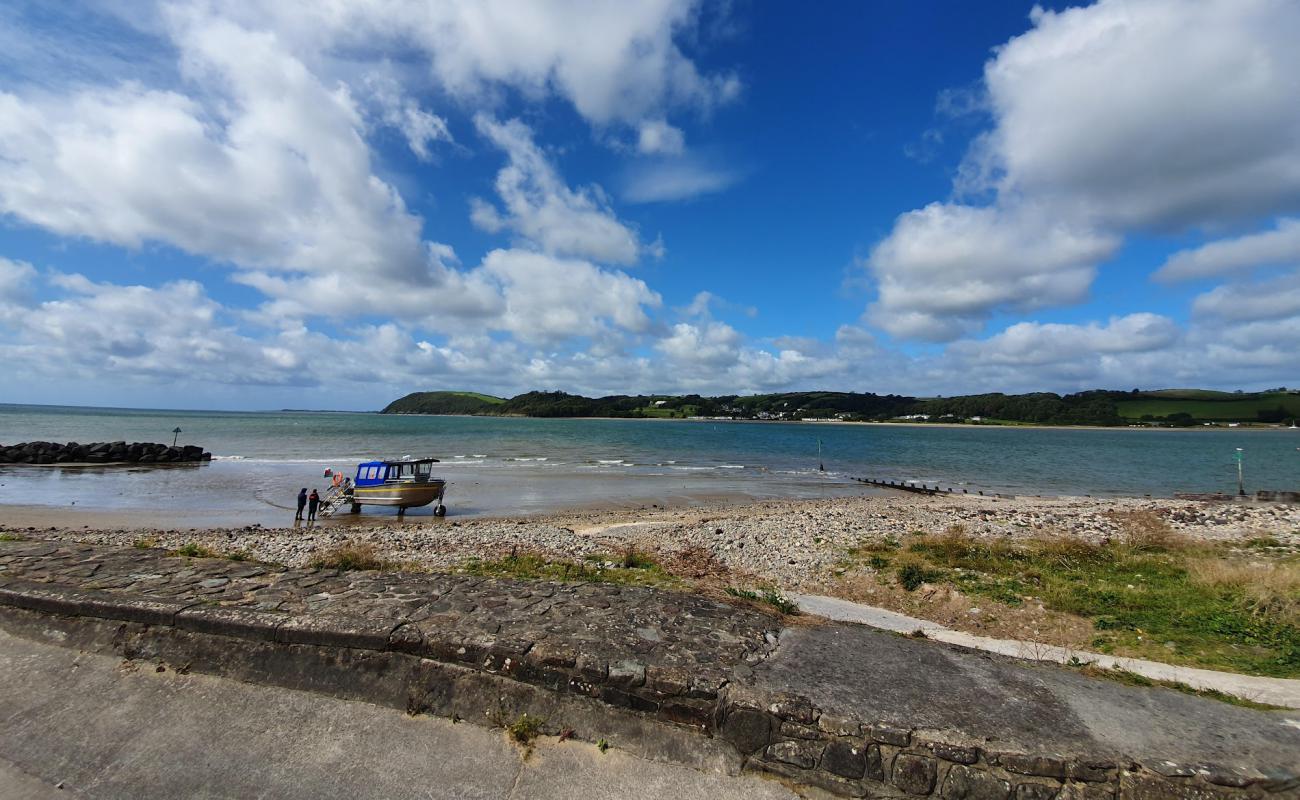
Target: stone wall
{"type": "Point", "coordinates": [100, 453]}
{"type": "Point", "coordinates": [789, 737]}
{"type": "Point", "coordinates": [649, 671]}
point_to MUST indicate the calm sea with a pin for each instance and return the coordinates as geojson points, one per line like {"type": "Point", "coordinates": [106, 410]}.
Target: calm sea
{"type": "Point", "coordinates": [507, 466]}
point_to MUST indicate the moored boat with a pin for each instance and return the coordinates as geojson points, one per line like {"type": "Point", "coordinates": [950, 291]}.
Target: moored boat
{"type": "Point", "coordinates": [404, 484]}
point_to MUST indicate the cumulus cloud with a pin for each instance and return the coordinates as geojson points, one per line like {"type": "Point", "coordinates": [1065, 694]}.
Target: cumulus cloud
{"type": "Point", "coordinates": [273, 174]}
{"type": "Point", "coordinates": [543, 210]}
{"type": "Point", "coordinates": [1244, 302]}
{"type": "Point", "coordinates": [549, 298]}
{"type": "Point", "coordinates": [1150, 115]}
{"type": "Point", "coordinates": [616, 64]}
{"type": "Point", "coordinates": [1280, 246]}
{"type": "Point", "coordinates": [101, 330]}
{"type": "Point", "coordinates": [1156, 114]}
{"type": "Point", "coordinates": [946, 267]}
{"type": "Point", "coordinates": [1034, 343]}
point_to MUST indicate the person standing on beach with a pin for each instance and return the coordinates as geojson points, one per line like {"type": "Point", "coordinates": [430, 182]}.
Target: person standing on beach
{"type": "Point", "coordinates": [302, 501]}
{"type": "Point", "coordinates": [312, 503]}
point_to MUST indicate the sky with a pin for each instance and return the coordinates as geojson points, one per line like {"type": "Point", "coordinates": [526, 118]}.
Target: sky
{"type": "Point", "coordinates": [331, 203]}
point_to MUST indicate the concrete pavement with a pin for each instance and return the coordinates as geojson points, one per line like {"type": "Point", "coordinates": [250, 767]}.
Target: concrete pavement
{"type": "Point", "coordinates": [105, 730]}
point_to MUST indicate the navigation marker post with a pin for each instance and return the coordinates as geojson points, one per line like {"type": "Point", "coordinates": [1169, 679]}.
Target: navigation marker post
{"type": "Point", "coordinates": [1241, 486]}
{"type": "Point", "coordinates": [176, 434]}
{"type": "Point", "coordinates": [821, 465]}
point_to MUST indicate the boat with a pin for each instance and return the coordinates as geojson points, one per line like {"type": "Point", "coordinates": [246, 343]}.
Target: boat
{"type": "Point", "coordinates": [409, 483]}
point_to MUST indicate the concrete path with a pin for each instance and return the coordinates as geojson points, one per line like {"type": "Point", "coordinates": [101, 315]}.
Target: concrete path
{"type": "Point", "coordinates": [107, 730]}
{"type": "Point", "coordinates": [1274, 691]}
{"type": "Point", "coordinates": [856, 671]}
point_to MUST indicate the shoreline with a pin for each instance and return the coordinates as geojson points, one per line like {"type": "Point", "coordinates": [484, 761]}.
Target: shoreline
{"type": "Point", "coordinates": [1245, 426]}
{"type": "Point", "coordinates": [802, 546]}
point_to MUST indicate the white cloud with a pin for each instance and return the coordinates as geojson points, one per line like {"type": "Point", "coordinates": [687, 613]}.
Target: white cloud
{"type": "Point", "coordinates": [422, 129]}
{"type": "Point", "coordinates": [15, 277]}
{"type": "Point", "coordinates": [1155, 114]}
{"type": "Point", "coordinates": [616, 63]}
{"type": "Point", "coordinates": [1244, 302]}
{"type": "Point", "coordinates": [549, 298]}
{"type": "Point", "coordinates": [657, 137]}
{"type": "Point", "coordinates": [1122, 116]}
{"type": "Point", "coordinates": [945, 268]}
{"type": "Point", "coordinates": [542, 209]}
{"type": "Point", "coordinates": [665, 180]}
{"type": "Point", "coordinates": [271, 174]}
{"type": "Point", "coordinates": [1036, 344]}
{"type": "Point", "coordinates": [100, 331]}
{"type": "Point", "coordinates": [1280, 246]}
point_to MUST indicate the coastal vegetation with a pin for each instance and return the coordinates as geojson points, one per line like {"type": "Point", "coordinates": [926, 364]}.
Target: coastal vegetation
{"type": "Point", "coordinates": [630, 568]}
{"type": "Point", "coordinates": [1147, 594]}
{"type": "Point", "coordinates": [1164, 407]}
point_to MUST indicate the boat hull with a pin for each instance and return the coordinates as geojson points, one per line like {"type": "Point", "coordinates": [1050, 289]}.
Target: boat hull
{"type": "Point", "coordinates": [402, 495]}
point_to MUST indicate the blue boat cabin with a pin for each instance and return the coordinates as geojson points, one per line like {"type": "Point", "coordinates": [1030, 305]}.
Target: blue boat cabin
{"type": "Point", "coordinates": [375, 473]}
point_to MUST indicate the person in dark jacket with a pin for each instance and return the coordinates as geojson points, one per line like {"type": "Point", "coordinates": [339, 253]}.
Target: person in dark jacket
{"type": "Point", "coordinates": [302, 503]}
{"type": "Point", "coordinates": [312, 502]}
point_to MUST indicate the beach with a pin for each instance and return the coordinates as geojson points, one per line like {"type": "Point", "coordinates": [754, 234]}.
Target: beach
{"type": "Point", "coordinates": [790, 545]}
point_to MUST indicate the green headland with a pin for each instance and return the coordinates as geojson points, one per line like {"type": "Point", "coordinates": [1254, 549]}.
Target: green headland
{"type": "Point", "coordinates": [1158, 408]}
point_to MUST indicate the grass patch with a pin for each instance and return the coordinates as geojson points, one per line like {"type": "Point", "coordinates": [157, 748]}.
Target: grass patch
{"type": "Point", "coordinates": [525, 729]}
{"type": "Point", "coordinates": [1133, 679]}
{"type": "Point", "coordinates": [12, 537]}
{"type": "Point", "coordinates": [145, 543]}
{"type": "Point", "coordinates": [632, 568]}
{"type": "Point", "coordinates": [1262, 542]}
{"type": "Point", "coordinates": [912, 574]}
{"type": "Point", "coordinates": [195, 550]}
{"type": "Point", "coordinates": [1148, 594]}
{"type": "Point", "coordinates": [351, 556]}
{"type": "Point", "coordinates": [769, 596]}
{"type": "Point", "coordinates": [239, 555]}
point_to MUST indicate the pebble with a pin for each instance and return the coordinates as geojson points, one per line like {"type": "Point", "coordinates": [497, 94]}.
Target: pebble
{"type": "Point", "coordinates": [790, 543]}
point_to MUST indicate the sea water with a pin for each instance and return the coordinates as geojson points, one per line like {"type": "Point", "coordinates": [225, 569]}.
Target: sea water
{"type": "Point", "coordinates": [522, 465]}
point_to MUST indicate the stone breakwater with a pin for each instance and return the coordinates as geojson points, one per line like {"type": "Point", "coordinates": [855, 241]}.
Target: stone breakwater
{"type": "Point", "coordinates": [664, 675]}
{"type": "Point", "coordinates": [100, 453]}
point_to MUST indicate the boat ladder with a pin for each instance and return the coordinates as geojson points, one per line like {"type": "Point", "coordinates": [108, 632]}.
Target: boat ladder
{"type": "Point", "coordinates": [333, 500]}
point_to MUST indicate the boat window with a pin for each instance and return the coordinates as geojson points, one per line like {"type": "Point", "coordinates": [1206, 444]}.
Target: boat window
{"type": "Point", "coordinates": [424, 469]}
{"type": "Point", "coordinates": [374, 471]}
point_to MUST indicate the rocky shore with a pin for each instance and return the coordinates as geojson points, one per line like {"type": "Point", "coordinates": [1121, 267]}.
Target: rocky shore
{"type": "Point", "coordinates": [71, 453]}
{"type": "Point", "coordinates": [790, 544]}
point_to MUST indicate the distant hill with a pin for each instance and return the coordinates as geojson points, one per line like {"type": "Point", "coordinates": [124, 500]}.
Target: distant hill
{"type": "Point", "coordinates": [1165, 407]}
{"type": "Point", "coordinates": [444, 403]}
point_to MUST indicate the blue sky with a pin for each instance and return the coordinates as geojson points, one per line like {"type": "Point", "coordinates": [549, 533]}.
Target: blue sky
{"type": "Point", "coordinates": [224, 204]}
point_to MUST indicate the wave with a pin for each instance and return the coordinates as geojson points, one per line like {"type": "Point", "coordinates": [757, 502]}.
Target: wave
{"type": "Point", "coordinates": [347, 460]}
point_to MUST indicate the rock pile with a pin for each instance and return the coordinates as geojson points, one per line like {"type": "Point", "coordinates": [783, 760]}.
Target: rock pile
{"type": "Point", "coordinates": [100, 453]}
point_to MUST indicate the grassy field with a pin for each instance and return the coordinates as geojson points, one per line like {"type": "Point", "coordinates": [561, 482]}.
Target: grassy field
{"type": "Point", "coordinates": [669, 413]}
{"type": "Point", "coordinates": [1224, 407]}
{"type": "Point", "coordinates": [1148, 595]}
{"type": "Point", "coordinates": [486, 398]}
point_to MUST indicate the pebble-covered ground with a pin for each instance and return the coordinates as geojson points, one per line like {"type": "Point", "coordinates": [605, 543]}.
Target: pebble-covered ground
{"type": "Point", "coordinates": [790, 544]}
